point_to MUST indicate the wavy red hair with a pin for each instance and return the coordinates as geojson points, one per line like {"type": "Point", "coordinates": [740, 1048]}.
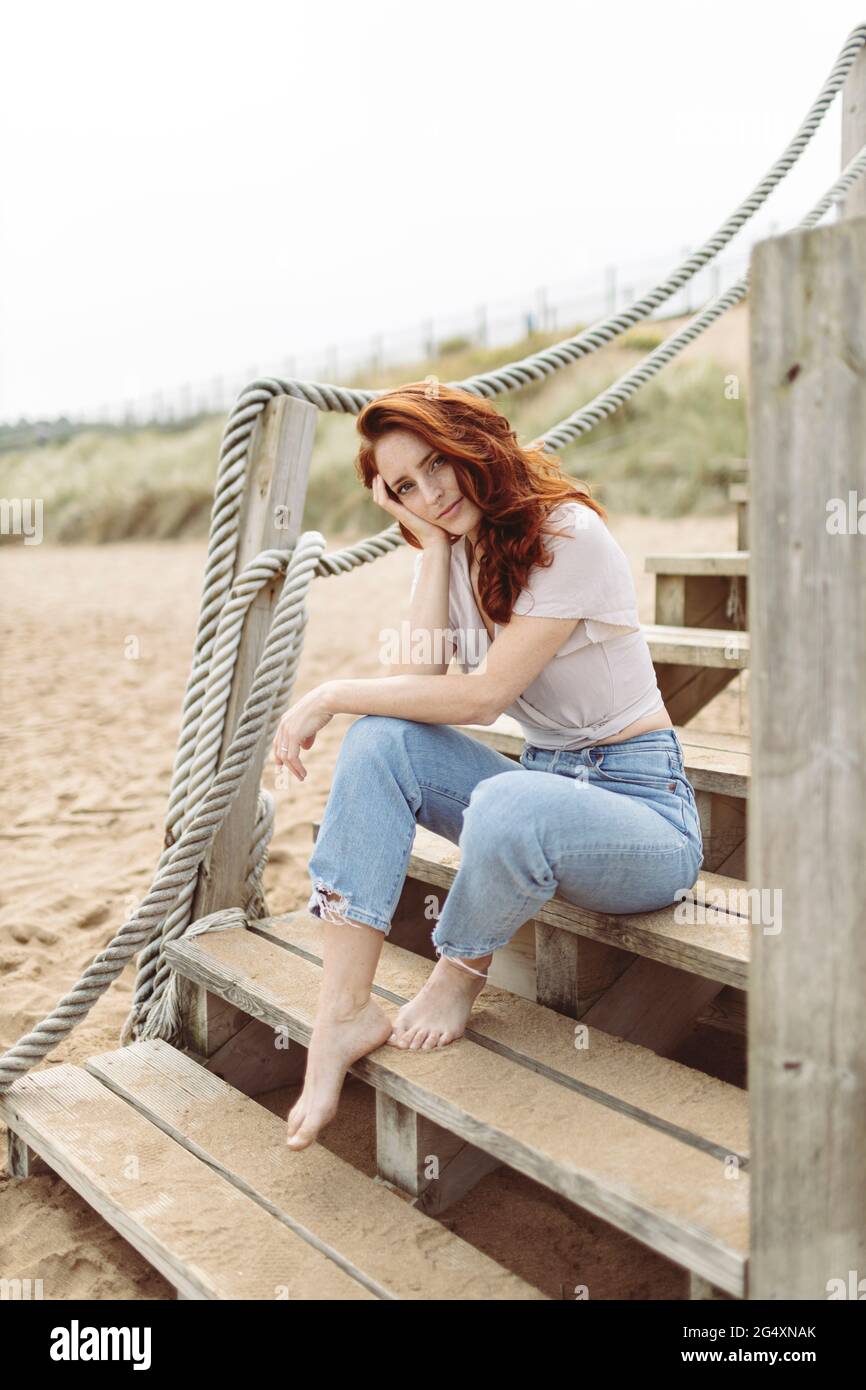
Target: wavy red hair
{"type": "Point", "coordinates": [514, 487]}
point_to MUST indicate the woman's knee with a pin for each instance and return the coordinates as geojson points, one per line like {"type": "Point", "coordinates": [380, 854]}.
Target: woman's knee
{"type": "Point", "coordinates": [496, 812]}
{"type": "Point", "coordinates": [371, 732]}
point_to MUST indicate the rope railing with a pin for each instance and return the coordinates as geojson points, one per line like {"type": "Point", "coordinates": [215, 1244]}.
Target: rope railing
{"type": "Point", "coordinates": [610, 400]}
{"type": "Point", "coordinates": [514, 376]}
{"type": "Point", "coordinates": [201, 794]}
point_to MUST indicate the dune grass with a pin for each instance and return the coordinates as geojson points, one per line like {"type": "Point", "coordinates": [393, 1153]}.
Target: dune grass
{"type": "Point", "coordinates": [665, 453]}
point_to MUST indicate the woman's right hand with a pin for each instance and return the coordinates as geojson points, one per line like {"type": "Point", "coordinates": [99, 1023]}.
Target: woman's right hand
{"type": "Point", "coordinates": [427, 533]}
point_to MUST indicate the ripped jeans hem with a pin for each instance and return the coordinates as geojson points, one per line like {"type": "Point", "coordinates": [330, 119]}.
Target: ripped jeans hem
{"type": "Point", "coordinates": [342, 910]}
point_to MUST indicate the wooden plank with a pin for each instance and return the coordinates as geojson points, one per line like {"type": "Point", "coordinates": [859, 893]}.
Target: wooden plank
{"type": "Point", "coordinates": [415, 1155]}
{"type": "Point", "coordinates": [21, 1160]}
{"type": "Point", "coordinates": [854, 133]}
{"type": "Point", "coordinates": [256, 1059]}
{"type": "Point", "coordinates": [201, 1233]}
{"type": "Point", "coordinates": [701, 601]}
{"type": "Point", "coordinates": [271, 516]}
{"type": "Point", "coordinates": [723, 831]}
{"type": "Point", "coordinates": [701, 1289]}
{"type": "Point", "coordinates": [372, 1234]}
{"type": "Point", "coordinates": [807, 1024]}
{"type": "Point", "coordinates": [686, 690]}
{"type": "Point", "coordinates": [726, 648]}
{"type": "Point", "coordinates": [653, 1004]}
{"type": "Point", "coordinates": [718, 562]}
{"type": "Point", "coordinates": [669, 1194]}
{"type": "Point", "coordinates": [727, 1012]}
{"type": "Point", "coordinates": [683, 1101]}
{"type": "Point", "coordinates": [717, 949]}
{"type": "Point", "coordinates": [742, 522]}
{"type": "Point", "coordinates": [713, 762]}
{"type": "Point", "coordinates": [572, 972]}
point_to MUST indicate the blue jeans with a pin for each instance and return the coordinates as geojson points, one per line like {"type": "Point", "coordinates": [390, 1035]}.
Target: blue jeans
{"type": "Point", "coordinates": [613, 828]}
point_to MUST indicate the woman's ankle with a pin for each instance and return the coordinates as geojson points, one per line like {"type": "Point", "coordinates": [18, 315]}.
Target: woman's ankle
{"type": "Point", "coordinates": [478, 968]}
{"type": "Point", "coordinates": [341, 1007]}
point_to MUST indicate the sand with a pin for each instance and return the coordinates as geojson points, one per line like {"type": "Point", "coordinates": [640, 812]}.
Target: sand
{"type": "Point", "coordinates": [96, 649]}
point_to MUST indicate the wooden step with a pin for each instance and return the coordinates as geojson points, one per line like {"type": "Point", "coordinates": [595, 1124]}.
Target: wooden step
{"type": "Point", "coordinates": [713, 762]}
{"type": "Point", "coordinates": [721, 648]}
{"type": "Point", "coordinates": [717, 949]}
{"type": "Point", "coordinates": [203, 1234]}
{"type": "Point", "coordinates": [694, 664]}
{"type": "Point", "coordinates": [641, 1142]}
{"type": "Point", "coordinates": [724, 563]}
{"type": "Point", "coordinates": [708, 590]}
{"type": "Point", "coordinates": [371, 1232]}
{"type": "Point", "coordinates": [738, 493]}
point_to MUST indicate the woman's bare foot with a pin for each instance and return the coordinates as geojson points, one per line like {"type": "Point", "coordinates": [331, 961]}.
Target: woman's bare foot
{"type": "Point", "coordinates": [440, 1010]}
{"type": "Point", "coordinates": [339, 1038]}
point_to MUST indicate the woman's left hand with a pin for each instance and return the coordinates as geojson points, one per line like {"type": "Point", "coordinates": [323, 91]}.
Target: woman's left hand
{"type": "Point", "coordinates": [298, 728]}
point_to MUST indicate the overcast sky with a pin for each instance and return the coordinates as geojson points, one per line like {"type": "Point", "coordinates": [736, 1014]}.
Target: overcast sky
{"type": "Point", "coordinates": [193, 187]}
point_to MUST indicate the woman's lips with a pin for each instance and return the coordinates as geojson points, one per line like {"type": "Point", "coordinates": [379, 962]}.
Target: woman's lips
{"type": "Point", "coordinates": [450, 510]}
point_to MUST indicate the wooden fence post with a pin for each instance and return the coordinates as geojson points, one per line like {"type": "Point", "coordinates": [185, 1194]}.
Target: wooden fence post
{"type": "Point", "coordinates": [271, 518]}
{"type": "Point", "coordinates": [854, 132]}
{"type": "Point", "coordinates": [807, 812]}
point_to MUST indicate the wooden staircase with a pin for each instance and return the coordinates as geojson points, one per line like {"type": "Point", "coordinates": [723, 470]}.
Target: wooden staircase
{"type": "Point", "coordinates": [568, 1071]}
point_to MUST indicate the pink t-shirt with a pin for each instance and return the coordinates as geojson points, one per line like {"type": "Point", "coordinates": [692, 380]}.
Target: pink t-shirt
{"type": "Point", "coordinates": [602, 678]}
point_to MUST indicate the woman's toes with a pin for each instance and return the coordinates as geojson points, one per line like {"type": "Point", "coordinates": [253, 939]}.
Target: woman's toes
{"type": "Point", "coordinates": [431, 1041]}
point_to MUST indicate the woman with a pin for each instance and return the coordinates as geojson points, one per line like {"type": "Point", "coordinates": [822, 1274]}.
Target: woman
{"type": "Point", "coordinates": [518, 573]}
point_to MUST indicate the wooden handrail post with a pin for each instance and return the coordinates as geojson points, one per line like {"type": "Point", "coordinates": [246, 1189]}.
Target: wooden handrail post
{"type": "Point", "coordinates": [854, 132]}
{"type": "Point", "coordinates": [271, 518]}
{"type": "Point", "coordinates": [806, 1015]}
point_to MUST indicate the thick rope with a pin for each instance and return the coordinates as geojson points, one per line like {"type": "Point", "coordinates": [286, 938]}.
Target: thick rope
{"type": "Point", "coordinates": [185, 856]}
{"type": "Point", "coordinates": [514, 376]}
{"type": "Point", "coordinates": [614, 396]}
{"type": "Point", "coordinates": [200, 795]}
{"type": "Point", "coordinates": [198, 745]}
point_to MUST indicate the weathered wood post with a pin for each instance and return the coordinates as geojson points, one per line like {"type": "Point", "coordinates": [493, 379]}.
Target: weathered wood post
{"type": "Point", "coordinates": [806, 1014]}
{"type": "Point", "coordinates": [854, 132]}
{"type": "Point", "coordinates": [271, 518]}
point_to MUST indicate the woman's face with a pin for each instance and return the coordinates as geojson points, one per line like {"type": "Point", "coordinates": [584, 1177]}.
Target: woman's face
{"type": "Point", "coordinates": [425, 483]}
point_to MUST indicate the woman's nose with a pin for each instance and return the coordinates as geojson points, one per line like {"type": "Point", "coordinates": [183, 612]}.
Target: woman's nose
{"type": "Point", "coordinates": [432, 495]}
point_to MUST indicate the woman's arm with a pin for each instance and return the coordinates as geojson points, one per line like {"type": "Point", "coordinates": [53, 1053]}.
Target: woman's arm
{"type": "Point", "coordinates": [424, 633]}
{"type": "Point", "coordinates": [519, 653]}
{"type": "Point", "coordinates": [430, 699]}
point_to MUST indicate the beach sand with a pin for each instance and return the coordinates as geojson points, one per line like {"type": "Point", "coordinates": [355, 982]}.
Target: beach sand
{"type": "Point", "coordinates": [97, 642]}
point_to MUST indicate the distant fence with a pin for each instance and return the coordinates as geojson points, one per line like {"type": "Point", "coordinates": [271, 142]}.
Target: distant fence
{"type": "Point", "coordinates": [546, 310]}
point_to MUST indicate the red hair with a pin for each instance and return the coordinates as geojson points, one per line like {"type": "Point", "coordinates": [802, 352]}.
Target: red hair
{"type": "Point", "coordinates": [513, 487]}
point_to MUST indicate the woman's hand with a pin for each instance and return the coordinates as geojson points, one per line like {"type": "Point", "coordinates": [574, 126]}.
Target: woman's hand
{"type": "Point", "coordinates": [427, 533]}
{"type": "Point", "coordinates": [298, 728]}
